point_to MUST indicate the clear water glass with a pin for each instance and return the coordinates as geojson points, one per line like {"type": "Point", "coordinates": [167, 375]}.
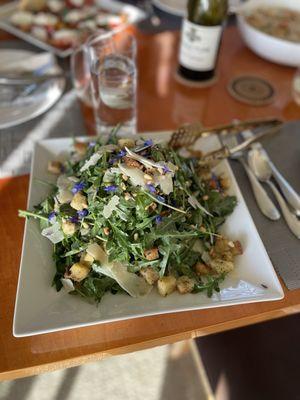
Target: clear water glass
{"type": "Point", "coordinates": [112, 63]}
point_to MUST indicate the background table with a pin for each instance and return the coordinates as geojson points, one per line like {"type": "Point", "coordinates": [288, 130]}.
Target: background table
{"type": "Point", "coordinates": [163, 104]}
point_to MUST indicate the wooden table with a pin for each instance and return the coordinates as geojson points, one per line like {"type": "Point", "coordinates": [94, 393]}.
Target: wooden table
{"type": "Point", "coordinates": [162, 104]}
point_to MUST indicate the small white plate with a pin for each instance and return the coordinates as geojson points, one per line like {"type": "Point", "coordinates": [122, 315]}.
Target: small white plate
{"type": "Point", "coordinates": [33, 105]}
{"type": "Point", "coordinates": [40, 309]}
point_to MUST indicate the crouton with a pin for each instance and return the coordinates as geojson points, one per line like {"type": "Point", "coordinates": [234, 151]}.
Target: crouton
{"type": "Point", "coordinates": [151, 254]}
{"type": "Point", "coordinates": [202, 269]}
{"type": "Point", "coordinates": [79, 271]}
{"type": "Point", "coordinates": [79, 202]}
{"type": "Point", "coordinates": [166, 285]}
{"type": "Point", "coordinates": [237, 250]}
{"type": "Point", "coordinates": [225, 183]}
{"type": "Point", "coordinates": [185, 284]}
{"type": "Point", "coordinates": [55, 167]}
{"type": "Point", "coordinates": [220, 266]}
{"type": "Point", "coordinates": [227, 249]}
{"type": "Point", "coordinates": [68, 228]}
{"type": "Point", "coordinates": [80, 148]}
{"type": "Point", "coordinates": [150, 275]}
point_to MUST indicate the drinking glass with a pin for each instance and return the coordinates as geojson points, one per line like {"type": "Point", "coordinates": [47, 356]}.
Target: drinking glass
{"type": "Point", "coordinates": [111, 59]}
{"type": "Point", "coordinates": [81, 78]}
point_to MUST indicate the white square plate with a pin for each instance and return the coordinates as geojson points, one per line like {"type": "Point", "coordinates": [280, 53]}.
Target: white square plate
{"type": "Point", "coordinates": [40, 309]}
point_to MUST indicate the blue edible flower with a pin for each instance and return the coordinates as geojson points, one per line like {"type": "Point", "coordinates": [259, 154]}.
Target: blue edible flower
{"type": "Point", "coordinates": [148, 142]}
{"type": "Point", "coordinates": [151, 188]}
{"type": "Point", "coordinates": [121, 154]}
{"type": "Point", "coordinates": [74, 219]}
{"type": "Point", "coordinates": [51, 215]}
{"type": "Point", "coordinates": [158, 219]}
{"type": "Point", "coordinates": [77, 187]}
{"type": "Point", "coordinates": [92, 144]}
{"type": "Point", "coordinates": [82, 213]}
{"type": "Point", "coordinates": [112, 160]}
{"type": "Point", "coordinates": [111, 188]}
{"type": "Point", "coordinates": [166, 169]}
{"type": "Point", "coordinates": [161, 199]}
{"type": "Point", "coordinates": [216, 180]}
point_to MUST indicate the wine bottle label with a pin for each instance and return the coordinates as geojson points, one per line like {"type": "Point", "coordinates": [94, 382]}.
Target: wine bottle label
{"type": "Point", "coordinates": [199, 46]}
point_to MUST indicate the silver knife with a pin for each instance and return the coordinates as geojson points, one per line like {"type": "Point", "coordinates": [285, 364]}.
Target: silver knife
{"type": "Point", "coordinates": [289, 192]}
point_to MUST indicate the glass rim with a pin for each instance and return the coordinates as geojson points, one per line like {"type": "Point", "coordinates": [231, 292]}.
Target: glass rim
{"type": "Point", "coordinates": [96, 38]}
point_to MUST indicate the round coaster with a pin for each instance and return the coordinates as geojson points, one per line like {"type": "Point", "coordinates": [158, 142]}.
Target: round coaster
{"type": "Point", "coordinates": [252, 90]}
{"type": "Point", "coordinates": [195, 84]}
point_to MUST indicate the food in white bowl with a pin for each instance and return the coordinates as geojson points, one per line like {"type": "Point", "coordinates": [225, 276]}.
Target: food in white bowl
{"type": "Point", "coordinates": [271, 28]}
{"type": "Point", "coordinates": [280, 22]}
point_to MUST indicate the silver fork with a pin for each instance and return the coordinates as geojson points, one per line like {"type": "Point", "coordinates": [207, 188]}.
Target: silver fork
{"type": "Point", "coordinates": [264, 202]}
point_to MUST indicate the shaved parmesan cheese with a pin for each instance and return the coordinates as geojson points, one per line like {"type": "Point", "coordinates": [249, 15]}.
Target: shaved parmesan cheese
{"type": "Point", "coordinates": [53, 233]}
{"type": "Point", "coordinates": [111, 206]}
{"type": "Point", "coordinates": [166, 183]}
{"type": "Point", "coordinates": [91, 162]}
{"type": "Point", "coordinates": [133, 284]}
{"type": "Point", "coordinates": [96, 156]}
{"type": "Point", "coordinates": [67, 284]}
{"type": "Point", "coordinates": [109, 174]}
{"type": "Point", "coordinates": [96, 251]}
{"type": "Point", "coordinates": [195, 204]}
{"type": "Point", "coordinates": [136, 175]}
{"type": "Point", "coordinates": [206, 257]}
{"type": "Point", "coordinates": [64, 182]}
{"type": "Point", "coordinates": [198, 246]}
{"type": "Point", "coordinates": [64, 196]}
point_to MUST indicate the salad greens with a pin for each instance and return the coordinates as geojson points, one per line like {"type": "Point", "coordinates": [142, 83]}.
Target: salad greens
{"type": "Point", "coordinates": [130, 214]}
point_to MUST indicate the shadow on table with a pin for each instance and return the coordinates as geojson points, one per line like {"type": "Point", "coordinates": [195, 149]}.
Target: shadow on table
{"type": "Point", "coordinates": [259, 362]}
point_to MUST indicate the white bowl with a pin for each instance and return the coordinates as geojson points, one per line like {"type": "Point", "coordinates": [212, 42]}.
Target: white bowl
{"type": "Point", "coordinates": [266, 46]}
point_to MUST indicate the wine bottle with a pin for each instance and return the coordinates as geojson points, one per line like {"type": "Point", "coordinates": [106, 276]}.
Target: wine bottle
{"type": "Point", "coordinates": [200, 39]}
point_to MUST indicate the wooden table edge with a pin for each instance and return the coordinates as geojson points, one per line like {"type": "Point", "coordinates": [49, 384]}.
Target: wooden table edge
{"type": "Point", "coordinates": [159, 341]}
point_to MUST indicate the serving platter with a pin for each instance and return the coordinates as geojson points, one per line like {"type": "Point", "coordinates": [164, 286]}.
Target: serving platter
{"type": "Point", "coordinates": [113, 6]}
{"type": "Point", "coordinates": [40, 309]}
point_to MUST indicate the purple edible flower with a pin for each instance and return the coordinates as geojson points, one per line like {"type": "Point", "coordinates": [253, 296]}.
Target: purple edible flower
{"type": "Point", "coordinates": [158, 219]}
{"type": "Point", "coordinates": [148, 142]}
{"type": "Point", "coordinates": [82, 213]}
{"type": "Point", "coordinates": [161, 199]}
{"type": "Point", "coordinates": [112, 160]}
{"type": "Point", "coordinates": [77, 187]}
{"type": "Point", "coordinates": [121, 154]}
{"type": "Point", "coordinates": [151, 188]}
{"type": "Point", "coordinates": [111, 188]}
{"type": "Point", "coordinates": [51, 215]}
{"type": "Point", "coordinates": [92, 144]}
{"type": "Point", "coordinates": [166, 169]}
{"type": "Point", "coordinates": [216, 180]}
{"type": "Point", "coordinates": [74, 219]}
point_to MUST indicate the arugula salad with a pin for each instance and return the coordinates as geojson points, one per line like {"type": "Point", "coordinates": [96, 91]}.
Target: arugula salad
{"type": "Point", "coordinates": [129, 215]}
